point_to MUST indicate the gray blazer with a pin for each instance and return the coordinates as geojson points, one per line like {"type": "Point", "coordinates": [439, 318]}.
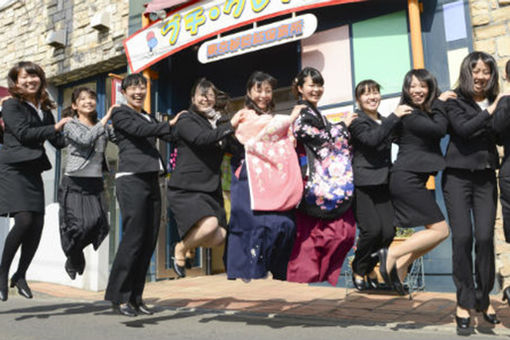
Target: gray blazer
{"type": "Point", "coordinates": [83, 142]}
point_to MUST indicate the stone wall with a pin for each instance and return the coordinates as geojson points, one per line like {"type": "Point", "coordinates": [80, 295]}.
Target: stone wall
{"type": "Point", "coordinates": [25, 26]}
{"type": "Point", "coordinates": [491, 28]}
{"type": "Point", "coordinates": [491, 34]}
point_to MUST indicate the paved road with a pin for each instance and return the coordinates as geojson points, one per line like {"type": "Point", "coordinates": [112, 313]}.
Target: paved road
{"type": "Point", "coordinates": [56, 318]}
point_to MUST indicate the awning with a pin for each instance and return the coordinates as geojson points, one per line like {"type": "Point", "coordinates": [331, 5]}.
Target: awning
{"type": "Point", "coordinates": [156, 5]}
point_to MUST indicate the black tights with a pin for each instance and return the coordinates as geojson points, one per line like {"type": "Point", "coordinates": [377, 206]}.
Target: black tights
{"type": "Point", "coordinates": [26, 233]}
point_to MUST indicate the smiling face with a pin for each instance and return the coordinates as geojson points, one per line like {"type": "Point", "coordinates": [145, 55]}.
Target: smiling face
{"type": "Point", "coordinates": [29, 84]}
{"type": "Point", "coordinates": [85, 104]}
{"type": "Point", "coordinates": [481, 76]}
{"type": "Point", "coordinates": [418, 91]}
{"type": "Point", "coordinates": [310, 91]}
{"type": "Point", "coordinates": [204, 99]}
{"type": "Point", "coordinates": [262, 95]}
{"type": "Point", "coordinates": [369, 100]}
{"type": "Point", "coordinates": [135, 96]}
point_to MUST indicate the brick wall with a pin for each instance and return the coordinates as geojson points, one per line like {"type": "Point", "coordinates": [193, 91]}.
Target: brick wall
{"type": "Point", "coordinates": [25, 25]}
{"type": "Point", "coordinates": [491, 34]}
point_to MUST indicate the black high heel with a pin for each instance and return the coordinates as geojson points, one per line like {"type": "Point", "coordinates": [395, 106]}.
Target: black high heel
{"type": "Point", "coordinates": [22, 285]}
{"type": "Point", "coordinates": [4, 291]}
{"type": "Point", "coordinates": [462, 323]}
{"type": "Point", "coordinates": [179, 270]}
{"type": "Point", "coordinates": [399, 287]}
{"type": "Point", "coordinates": [490, 318]}
{"type": "Point", "coordinates": [358, 282]}
{"type": "Point", "coordinates": [372, 283]}
{"type": "Point", "coordinates": [506, 295]}
{"type": "Point", "coordinates": [70, 269]}
{"type": "Point", "coordinates": [383, 256]}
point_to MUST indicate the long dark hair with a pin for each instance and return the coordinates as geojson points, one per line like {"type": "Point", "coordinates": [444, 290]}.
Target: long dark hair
{"type": "Point", "coordinates": [423, 76]}
{"type": "Point", "coordinates": [256, 79]}
{"type": "Point", "coordinates": [69, 112]}
{"type": "Point", "coordinates": [222, 99]}
{"type": "Point", "coordinates": [300, 79]}
{"type": "Point", "coordinates": [465, 82]}
{"type": "Point", "coordinates": [31, 68]}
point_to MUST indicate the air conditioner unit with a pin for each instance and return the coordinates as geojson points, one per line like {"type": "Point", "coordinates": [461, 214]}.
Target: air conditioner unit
{"type": "Point", "coordinates": [56, 38]}
{"type": "Point", "coordinates": [101, 21]}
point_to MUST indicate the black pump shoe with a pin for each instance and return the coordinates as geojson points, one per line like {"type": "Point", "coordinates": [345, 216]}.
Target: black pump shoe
{"type": "Point", "coordinates": [372, 283]}
{"type": "Point", "coordinates": [70, 269]}
{"type": "Point", "coordinates": [490, 318]}
{"type": "Point", "coordinates": [382, 254]}
{"type": "Point", "coordinates": [22, 285]}
{"type": "Point", "coordinates": [124, 309]}
{"type": "Point", "coordinates": [462, 323]}
{"type": "Point", "coordinates": [142, 308]}
{"type": "Point", "coordinates": [399, 287]}
{"type": "Point", "coordinates": [4, 291]}
{"type": "Point", "coordinates": [358, 282]}
{"type": "Point", "coordinates": [179, 270]}
{"type": "Point", "coordinates": [506, 295]}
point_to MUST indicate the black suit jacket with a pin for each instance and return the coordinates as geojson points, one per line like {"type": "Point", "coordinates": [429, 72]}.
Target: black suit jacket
{"type": "Point", "coordinates": [199, 153]}
{"type": "Point", "coordinates": [472, 141]}
{"type": "Point", "coordinates": [25, 134]}
{"type": "Point", "coordinates": [419, 140]}
{"type": "Point", "coordinates": [371, 148]}
{"type": "Point", "coordinates": [501, 125]}
{"type": "Point", "coordinates": [137, 140]}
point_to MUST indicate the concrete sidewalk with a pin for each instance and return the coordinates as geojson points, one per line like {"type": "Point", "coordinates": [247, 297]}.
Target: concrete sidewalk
{"type": "Point", "coordinates": [271, 298]}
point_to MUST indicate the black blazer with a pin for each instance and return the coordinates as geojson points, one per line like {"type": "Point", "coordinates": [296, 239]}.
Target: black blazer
{"type": "Point", "coordinates": [199, 153]}
{"type": "Point", "coordinates": [472, 141]}
{"type": "Point", "coordinates": [501, 125]}
{"type": "Point", "coordinates": [25, 134]}
{"type": "Point", "coordinates": [419, 140]}
{"type": "Point", "coordinates": [371, 148]}
{"type": "Point", "coordinates": [137, 140]}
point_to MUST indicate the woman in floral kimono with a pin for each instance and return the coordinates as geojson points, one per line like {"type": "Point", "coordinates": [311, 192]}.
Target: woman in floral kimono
{"type": "Point", "coordinates": [325, 226]}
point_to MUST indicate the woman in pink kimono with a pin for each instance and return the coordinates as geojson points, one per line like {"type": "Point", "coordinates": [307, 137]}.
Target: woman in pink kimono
{"type": "Point", "coordinates": [325, 226]}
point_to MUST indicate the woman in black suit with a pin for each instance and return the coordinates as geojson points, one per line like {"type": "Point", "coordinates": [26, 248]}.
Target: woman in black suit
{"type": "Point", "coordinates": [371, 138]}
{"type": "Point", "coordinates": [501, 124]}
{"type": "Point", "coordinates": [469, 184]}
{"type": "Point", "coordinates": [138, 193]}
{"type": "Point", "coordinates": [419, 156]}
{"type": "Point", "coordinates": [194, 191]}
{"type": "Point", "coordinates": [28, 124]}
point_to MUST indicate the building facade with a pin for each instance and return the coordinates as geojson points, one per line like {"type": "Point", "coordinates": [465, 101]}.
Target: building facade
{"type": "Point", "coordinates": [80, 42]}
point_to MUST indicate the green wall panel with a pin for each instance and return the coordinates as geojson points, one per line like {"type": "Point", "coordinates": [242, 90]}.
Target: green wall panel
{"type": "Point", "coordinates": [381, 50]}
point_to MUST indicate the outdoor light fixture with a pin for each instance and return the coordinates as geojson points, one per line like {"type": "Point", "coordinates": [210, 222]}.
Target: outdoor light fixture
{"type": "Point", "coordinates": [160, 14]}
{"type": "Point", "coordinates": [56, 39]}
{"type": "Point", "coordinates": [101, 21]}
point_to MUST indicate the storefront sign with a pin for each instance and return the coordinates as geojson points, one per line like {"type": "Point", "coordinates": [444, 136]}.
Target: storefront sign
{"type": "Point", "coordinates": [258, 38]}
{"type": "Point", "coordinates": [202, 20]}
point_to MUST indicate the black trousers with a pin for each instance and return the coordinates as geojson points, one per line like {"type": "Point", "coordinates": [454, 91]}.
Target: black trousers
{"type": "Point", "coordinates": [504, 198]}
{"type": "Point", "coordinates": [472, 196]}
{"type": "Point", "coordinates": [374, 217]}
{"type": "Point", "coordinates": [140, 205]}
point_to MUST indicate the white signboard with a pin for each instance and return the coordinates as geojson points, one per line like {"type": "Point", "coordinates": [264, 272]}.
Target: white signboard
{"type": "Point", "coordinates": [202, 20]}
{"type": "Point", "coordinates": [277, 33]}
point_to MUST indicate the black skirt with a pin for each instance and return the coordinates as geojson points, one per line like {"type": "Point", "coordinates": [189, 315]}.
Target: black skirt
{"type": "Point", "coordinates": [414, 204]}
{"type": "Point", "coordinates": [21, 188]}
{"type": "Point", "coordinates": [189, 207]}
{"type": "Point", "coordinates": [83, 213]}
